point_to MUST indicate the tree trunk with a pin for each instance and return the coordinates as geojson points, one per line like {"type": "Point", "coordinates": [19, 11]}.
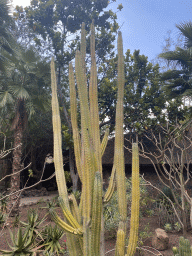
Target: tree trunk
{"type": "Point", "coordinates": [18, 126]}
{"type": "Point", "coordinates": [184, 218]}
{"type": "Point", "coordinates": [14, 200]}
{"type": "Point", "coordinates": [74, 176]}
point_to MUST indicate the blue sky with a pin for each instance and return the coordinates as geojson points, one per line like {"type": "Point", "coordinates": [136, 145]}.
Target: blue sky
{"type": "Point", "coordinates": [145, 23]}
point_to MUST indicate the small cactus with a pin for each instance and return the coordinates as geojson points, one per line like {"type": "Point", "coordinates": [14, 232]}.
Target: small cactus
{"type": "Point", "coordinates": [184, 248]}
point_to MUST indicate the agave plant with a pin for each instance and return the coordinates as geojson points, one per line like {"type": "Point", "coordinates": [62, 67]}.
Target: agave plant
{"type": "Point", "coordinates": [22, 244]}
{"type": "Point", "coordinates": [33, 223]}
{"type": "Point", "coordinates": [2, 218]}
{"type": "Point", "coordinates": [51, 238]}
{"type": "Point", "coordinates": [3, 201]}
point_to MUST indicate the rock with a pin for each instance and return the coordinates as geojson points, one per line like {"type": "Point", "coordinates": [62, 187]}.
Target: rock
{"type": "Point", "coordinates": [160, 240]}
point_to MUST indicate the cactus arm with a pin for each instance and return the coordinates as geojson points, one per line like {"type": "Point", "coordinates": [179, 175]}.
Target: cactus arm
{"type": "Point", "coordinates": [104, 141]}
{"type": "Point", "coordinates": [133, 238]}
{"type": "Point", "coordinates": [83, 46]}
{"type": "Point", "coordinates": [73, 105]}
{"type": "Point", "coordinates": [111, 187]}
{"type": "Point", "coordinates": [96, 215]}
{"type": "Point", "coordinates": [70, 218]}
{"type": "Point", "coordinates": [86, 175]}
{"type": "Point", "coordinates": [63, 225]}
{"type": "Point", "coordinates": [119, 137]}
{"type": "Point", "coordinates": [120, 243]}
{"type": "Point", "coordinates": [93, 98]}
{"type": "Point", "coordinates": [74, 208]}
{"type": "Point", "coordinates": [58, 158]}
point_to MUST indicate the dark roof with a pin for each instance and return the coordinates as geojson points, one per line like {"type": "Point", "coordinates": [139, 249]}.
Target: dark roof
{"type": "Point", "coordinates": [109, 152]}
{"type": "Point", "coordinates": [149, 147]}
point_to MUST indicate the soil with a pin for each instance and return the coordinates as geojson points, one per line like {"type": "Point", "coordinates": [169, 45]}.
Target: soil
{"type": "Point", "coordinates": [109, 243]}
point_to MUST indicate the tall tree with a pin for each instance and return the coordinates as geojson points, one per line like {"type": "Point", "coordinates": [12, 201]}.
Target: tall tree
{"type": "Point", "coordinates": [145, 103]}
{"type": "Point", "coordinates": [179, 80]}
{"type": "Point", "coordinates": [55, 25]}
{"type": "Point", "coordinates": [6, 38]}
{"type": "Point", "coordinates": [23, 88]}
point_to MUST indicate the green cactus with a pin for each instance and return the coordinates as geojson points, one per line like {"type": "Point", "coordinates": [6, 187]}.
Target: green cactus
{"type": "Point", "coordinates": [84, 222]}
{"type": "Point", "coordinates": [120, 244]}
{"type": "Point", "coordinates": [184, 248]}
{"type": "Point", "coordinates": [133, 238]}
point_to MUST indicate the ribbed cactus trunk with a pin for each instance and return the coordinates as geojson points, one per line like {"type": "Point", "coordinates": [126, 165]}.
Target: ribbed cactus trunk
{"type": "Point", "coordinates": [83, 222]}
{"type": "Point", "coordinates": [184, 248]}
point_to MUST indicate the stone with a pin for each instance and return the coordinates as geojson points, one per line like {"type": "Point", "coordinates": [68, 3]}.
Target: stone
{"type": "Point", "coordinates": [160, 240]}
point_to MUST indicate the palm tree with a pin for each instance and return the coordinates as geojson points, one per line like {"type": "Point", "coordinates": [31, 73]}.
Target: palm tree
{"type": "Point", "coordinates": [179, 80]}
{"type": "Point", "coordinates": [23, 89]}
{"type": "Point", "coordinates": [6, 38]}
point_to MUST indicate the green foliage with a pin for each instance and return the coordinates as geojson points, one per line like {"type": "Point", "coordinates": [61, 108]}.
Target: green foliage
{"type": "Point", "coordinates": [2, 218]}
{"type": "Point", "coordinates": [177, 226]}
{"type": "Point", "coordinates": [44, 17]}
{"type": "Point", "coordinates": [111, 214]}
{"type": "Point", "coordinates": [184, 248]}
{"type": "Point", "coordinates": [33, 223]}
{"type": "Point", "coordinates": [22, 244]}
{"type": "Point", "coordinates": [51, 237]}
{"type": "Point", "coordinates": [6, 40]}
{"type": "Point", "coordinates": [161, 199]}
{"type": "Point", "coordinates": [165, 211]}
{"type": "Point", "coordinates": [178, 80]}
{"type": "Point", "coordinates": [168, 227]}
{"type": "Point", "coordinates": [143, 95]}
{"type": "Point", "coordinates": [68, 140]}
{"type": "Point", "coordinates": [25, 79]}
{"type": "Point", "coordinates": [143, 235]}
{"type": "Point", "coordinates": [67, 176]}
{"type": "Point", "coordinates": [3, 202]}
{"type": "Point", "coordinates": [145, 201]}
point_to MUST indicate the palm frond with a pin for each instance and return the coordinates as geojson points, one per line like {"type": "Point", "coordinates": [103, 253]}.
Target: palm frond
{"type": "Point", "coordinates": [6, 98]}
{"type": "Point", "coordinates": [19, 92]}
{"type": "Point", "coordinates": [186, 30]}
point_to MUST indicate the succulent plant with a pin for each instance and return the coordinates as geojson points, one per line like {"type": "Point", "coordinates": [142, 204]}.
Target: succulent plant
{"type": "Point", "coordinates": [84, 222]}
{"type": "Point", "coordinates": [184, 248]}
{"type": "Point", "coordinates": [22, 244]}
{"type": "Point", "coordinates": [51, 242]}
{"type": "Point", "coordinates": [168, 227]}
{"type": "Point", "coordinates": [33, 223]}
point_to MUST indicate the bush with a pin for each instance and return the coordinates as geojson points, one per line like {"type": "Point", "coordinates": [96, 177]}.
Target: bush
{"type": "Point", "coordinates": [165, 210]}
{"type": "Point", "coordinates": [111, 214]}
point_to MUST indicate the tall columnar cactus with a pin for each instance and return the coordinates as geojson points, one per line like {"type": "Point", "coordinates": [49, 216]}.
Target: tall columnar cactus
{"type": "Point", "coordinates": [83, 222]}
{"type": "Point", "coordinates": [184, 248]}
{"type": "Point", "coordinates": [133, 238]}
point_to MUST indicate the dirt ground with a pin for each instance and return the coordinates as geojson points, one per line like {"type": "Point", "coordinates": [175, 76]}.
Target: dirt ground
{"type": "Point", "coordinates": [109, 243]}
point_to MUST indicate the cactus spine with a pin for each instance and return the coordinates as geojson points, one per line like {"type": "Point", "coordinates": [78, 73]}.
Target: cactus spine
{"type": "Point", "coordinates": [184, 248]}
{"type": "Point", "coordinates": [83, 223]}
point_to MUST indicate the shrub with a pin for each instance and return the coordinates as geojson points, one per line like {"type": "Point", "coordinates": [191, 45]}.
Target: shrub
{"type": "Point", "coordinates": [111, 214]}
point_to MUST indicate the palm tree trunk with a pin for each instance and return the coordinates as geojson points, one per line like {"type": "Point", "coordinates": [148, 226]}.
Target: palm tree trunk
{"type": "Point", "coordinates": [19, 125]}
{"type": "Point", "coordinates": [14, 200]}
